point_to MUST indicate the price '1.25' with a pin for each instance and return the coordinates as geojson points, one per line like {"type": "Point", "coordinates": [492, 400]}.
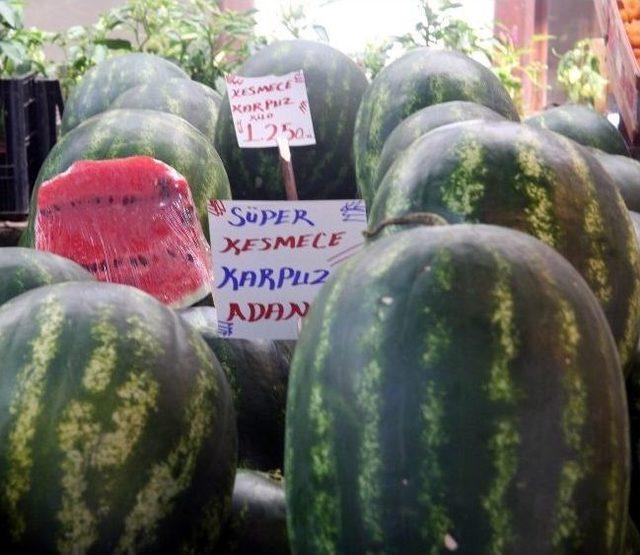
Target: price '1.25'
{"type": "Point", "coordinates": [273, 131]}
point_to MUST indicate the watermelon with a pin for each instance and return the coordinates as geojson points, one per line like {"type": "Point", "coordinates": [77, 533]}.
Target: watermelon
{"type": "Point", "coordinates": [625, 173]}
{"type": "Point", "coordinates": [335, 85]}
{"type": "Point", "coordinates": [584, 125]}
{"type": "Point", "coordinates": [117, 428]}
{"type": "Point", "coordinates": [24, 269]}
{"type": "Point", "coordinates": [180, 97]}
{"type": "Point", "coordinates": [421, 78]}
{"type": "Point", "coordinates": [258, 522]}
{"type": "Point", "coordinates": [130, 221]}
{"type": "Point", "coordinates": [426, 120]}
{"type": "Point", "coordinates": [534, 181]}
{"type": "Point", "coordinates": [124, 133]}
{"type": "Point", "coordinates": [105, 82]}
{"type": "Point", "coordinates": [258, 372]}
{"type": "Point", "coordinates": [456, 388]}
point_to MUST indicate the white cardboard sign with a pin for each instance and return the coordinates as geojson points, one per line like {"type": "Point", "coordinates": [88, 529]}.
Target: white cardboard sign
{"type": "Point", "coordinates": [266, 108]}
{"type": "Point", "coordinates": [272, 257]}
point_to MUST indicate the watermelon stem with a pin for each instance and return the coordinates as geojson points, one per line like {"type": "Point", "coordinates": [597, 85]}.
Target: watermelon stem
{"type": "Point", "coordinates": [417, 218]}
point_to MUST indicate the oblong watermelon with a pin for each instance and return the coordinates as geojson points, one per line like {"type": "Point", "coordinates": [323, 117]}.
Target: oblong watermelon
{"type": "Point", "coordinates": [180, 97]}
{"type": "Point", "coordinates": [456, 389]}
{"type": "Point", "coordinates": [102, 84]}
{"type": "Point", "coordinates": [24, 269]}
{"type": "Point", "coordinates": [534, 181]}
{"type": "Point", "coordinates": [258, 522]}
{"type": "Point", "coordinates": [123, 133]}
{"type": "Point", "coordinates": [117, 428]}
{"type": "Point", "coordinates": [258, 372]}
{"type": "Point", "coordinates": [130, 221]}
{"type": "Point", "coordinates": [421, 78]}
{"type": "Point", "coordinates": [625, 174]}
{"type": "Point", "coordinates": [426, 120]}
{"type": "Point", "coordinates": [335, 85]}
{"type": "Point", "coordinates": [584, 125]}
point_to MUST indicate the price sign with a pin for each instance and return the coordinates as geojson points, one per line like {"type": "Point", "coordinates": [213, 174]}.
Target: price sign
{"type": "Point", "coordinates": [272, 257]}
{"type": "Point", "coordinates": [267, 108]}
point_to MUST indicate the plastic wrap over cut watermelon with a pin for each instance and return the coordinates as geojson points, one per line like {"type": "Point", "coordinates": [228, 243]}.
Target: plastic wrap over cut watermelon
{"type": "Point", "coordinates": [131, 221]}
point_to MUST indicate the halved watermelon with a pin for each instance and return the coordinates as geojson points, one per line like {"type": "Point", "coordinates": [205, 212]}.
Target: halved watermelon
{"type": "Point", "coordinates": [130, 221]}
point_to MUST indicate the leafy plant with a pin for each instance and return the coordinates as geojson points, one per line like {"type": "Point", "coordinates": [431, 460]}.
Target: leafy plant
{"type": "Point", "coordinates": [205, 40]}
{"type": "Point", "coordinates": [375, 57]}
{"type": "Point", "coordinates": [296, 21]}
{"type": "Point", "coordinates": [579, 74]}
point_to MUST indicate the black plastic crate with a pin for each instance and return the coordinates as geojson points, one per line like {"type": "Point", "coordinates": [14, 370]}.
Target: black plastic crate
{"type": "Point", "coordinates": [30, 108]}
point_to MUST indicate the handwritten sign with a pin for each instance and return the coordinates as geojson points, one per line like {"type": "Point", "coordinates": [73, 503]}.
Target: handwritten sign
{"type": "Point", "coordinates": [272, 257]}
{"type": "Point", "coordinates": [269, 107]}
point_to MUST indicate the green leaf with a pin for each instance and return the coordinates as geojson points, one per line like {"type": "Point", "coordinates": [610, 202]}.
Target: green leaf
{"type": "Point", "coordinates": [8, 13]}
{"type": "Point", "coordinates": [114, 44]}
{"type": "Point", "coordinates": [15, 52]}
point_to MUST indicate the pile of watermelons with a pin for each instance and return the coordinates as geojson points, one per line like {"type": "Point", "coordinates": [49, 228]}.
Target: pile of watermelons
{"type": "Point", "coordinates": [468, 383]}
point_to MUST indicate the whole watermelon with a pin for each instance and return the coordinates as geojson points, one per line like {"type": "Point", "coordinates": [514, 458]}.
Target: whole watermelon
{"type": "Point", "coordinates": [24, 269]}
{"type": "Point", "coordinates": [123, 133]}
{"type": "Point", "coordinates": [258, 372]}
{"type": "Point", "coordinates": [117, 428]}
{"type": "Point", "coordinates": [421, 78]}
{"type": "Point", "coordinates": [534, 181]}
{"type": "Point", "coordinates": [625, 173]}
{"type": "Point", "coordinates": [335, 85]}
{"type": "Point", "coordinates": [108, 80]}
{"type": "Point", "coordinates": [258, 522]}
{"type": "Point", "coordinates": [426, 120]}
{"type": "Point", "coordinates": [180, 97]}
{"type": "Point", "coordinates": [584, 125]}
{"type": "Point", "coordinates": [456, 389]}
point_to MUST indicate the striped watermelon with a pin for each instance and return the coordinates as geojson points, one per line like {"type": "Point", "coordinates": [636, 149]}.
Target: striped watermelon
{"type": "Point", "coordinates": [535, 181]}
{"type": "Point", "coordinates": [117, 429]}
{"type": "Point", "coordinates": [258, 522]}
{"type": "Point", "coordinates": [102, 84]}
{"type": "Point", "coordinates": [258, 372]}
{"type": "Point", "coordinates": [123, 133]}
{"type": "Point", "coordinates": [335, 85]}
{"type": "Point", "coordinates": [625, 173]}
{"type": "Point", "coordinates": [456, 389]}
{"type": "Point", "coordinates": [421, 78]}
{"type": "Point", "coordinates": [24, 269]}
{"type": "Point", "coordinates": [181, 97]}
{"type": "Point", "coordinates": [584, 125]}
{"type": "Point", "coordinates": [423, 121]}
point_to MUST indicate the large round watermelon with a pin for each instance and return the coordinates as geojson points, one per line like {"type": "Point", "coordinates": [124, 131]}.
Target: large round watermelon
{"type": "Point", "coordinates": [426, 120]}
{"type": "Point", "coordinates": [535, 181]}
{"type": "Point", "coordinates": [258, 522]}
{"type": "Point", "coordinates": [258, 372]}
{"type": "Point", "coordinates": [335, 86]}
{"type": "Point", "coordinates": [180, 97]}
{"type": "Point", "coordinates": [123, 133]}
{"type": "Point", "coordinates": [625, 173]}
{"type": "Point", "coordinates": [584, 125]}
{"type": "Point", "coordinates": [24, 269]}
{"type": "Point", "coordinates": [117, 428]}
{"type": "Point", "coordinates": [456, 389]}
{"type": "Point", "coordinates": [108, 80]}
{"type": "Point", "coordinates": [419, 79]}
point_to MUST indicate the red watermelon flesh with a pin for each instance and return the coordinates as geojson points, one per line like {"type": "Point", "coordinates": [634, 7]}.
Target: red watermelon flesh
{"type": "Point", "coordinates": [130, 221]}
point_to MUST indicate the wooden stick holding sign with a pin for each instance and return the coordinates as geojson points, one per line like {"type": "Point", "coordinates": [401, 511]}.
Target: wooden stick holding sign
{"type": "Point", "coordinates": [286, 168]}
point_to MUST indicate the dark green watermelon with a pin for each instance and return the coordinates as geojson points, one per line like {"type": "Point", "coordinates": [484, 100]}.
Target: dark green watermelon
{"type": "Point", "coordinates": [534, 181]}
{"type": "Point", "coordinates": [108, 80]}
{"type": "Point", "coordinates": [123, 133]}
{"type": "Point", "coordinates": [180, 97]}
{"type": "Point", "coordinates": [258, 372]}
{"type": "Point", "coordinates": [24, 269]}
{"type": "Point", "coordinates": [584, 125]}
{"type": "Point", "coordinates": [117, 427]}
{"type": "Point", "coordinates": [426, 120]}
{"type": "Point", "coordinates": [421, 78]}
{"type": "Point", "coordinates": [258, 522]}
{"type": "Point", "coordinates": [335, 85]}
{"type": "Point", "coordinates": [625, 173]}
{"type": "Point", "coordinates": [456, 389]}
